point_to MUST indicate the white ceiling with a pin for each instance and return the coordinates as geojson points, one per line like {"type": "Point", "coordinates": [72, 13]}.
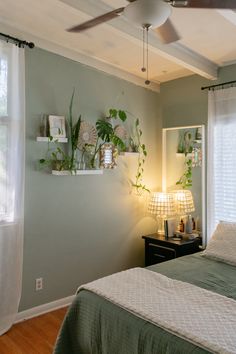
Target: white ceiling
{"type": "Point", "coordinates": [207, 38]}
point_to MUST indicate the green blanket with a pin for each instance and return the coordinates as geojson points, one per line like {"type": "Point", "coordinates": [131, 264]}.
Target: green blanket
{"type": "Point", "coordinates": [93, 325]}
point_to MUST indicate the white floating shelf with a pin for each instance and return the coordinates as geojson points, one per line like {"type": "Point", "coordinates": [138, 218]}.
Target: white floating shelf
{"type": "Point", "coordinates": [77, 172]}
{"type": "Point", "coordinates": [45, 139]}
{"type": "Point", "coordinates": [129, 153]}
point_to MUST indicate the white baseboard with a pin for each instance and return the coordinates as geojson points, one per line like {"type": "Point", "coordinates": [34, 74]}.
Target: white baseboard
{"type": "Point", "coordinates": [40, 310]}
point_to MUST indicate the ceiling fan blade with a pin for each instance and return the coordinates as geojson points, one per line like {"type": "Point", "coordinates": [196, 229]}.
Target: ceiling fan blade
{"type": "Point", "coordinates": [204, 4]}
{"type": "Point", "coordinates": [167, 32]}
{"type": "Point", "coordinates": [97, 20]}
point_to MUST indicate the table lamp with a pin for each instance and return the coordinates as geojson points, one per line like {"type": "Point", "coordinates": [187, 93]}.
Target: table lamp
{"type": "Point", "coordinates": [163, 206]}
{"type": "Point", "coordinates": [184, 205]}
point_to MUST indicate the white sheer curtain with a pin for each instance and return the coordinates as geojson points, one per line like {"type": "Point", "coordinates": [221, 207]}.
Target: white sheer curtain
{"type": "Point", "coordinates": [221, 165]}
{"type": "Point", "coordinates": [12, 90]}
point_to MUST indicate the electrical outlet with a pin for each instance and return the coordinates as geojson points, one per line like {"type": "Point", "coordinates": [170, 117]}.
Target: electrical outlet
{"type": "Point", "coordinates": [38, 284]}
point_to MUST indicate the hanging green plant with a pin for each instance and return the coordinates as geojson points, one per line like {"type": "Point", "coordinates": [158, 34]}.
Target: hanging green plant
{"type": "Point", "coordinates": [141, 149]}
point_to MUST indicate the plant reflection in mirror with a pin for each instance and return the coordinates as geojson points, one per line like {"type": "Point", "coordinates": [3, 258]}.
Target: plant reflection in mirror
{"type": "Point", "coordinates": [185, 180]}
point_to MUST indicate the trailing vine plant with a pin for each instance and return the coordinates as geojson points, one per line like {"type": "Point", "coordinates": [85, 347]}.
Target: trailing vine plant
{"type": "Point", "coordinates": [138, 146]}
{"type": "Point", "coordinates": [56, 158]}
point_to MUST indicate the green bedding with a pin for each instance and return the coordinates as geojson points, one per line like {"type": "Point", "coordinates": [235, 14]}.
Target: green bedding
{"type": "Point", "coordinates": [93, 325]}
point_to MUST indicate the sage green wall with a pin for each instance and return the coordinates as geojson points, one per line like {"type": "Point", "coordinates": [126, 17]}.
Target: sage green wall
{"type": "Point", "coordinates": [184, 103]}
{"type": "Point", "coordinates": [80, 228]}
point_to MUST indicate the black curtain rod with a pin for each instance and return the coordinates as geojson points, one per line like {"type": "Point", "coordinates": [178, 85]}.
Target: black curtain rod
{"type": "Point", "coordinates": [20, 43]}
{"type": "Point", "coordinates": [223, 84]}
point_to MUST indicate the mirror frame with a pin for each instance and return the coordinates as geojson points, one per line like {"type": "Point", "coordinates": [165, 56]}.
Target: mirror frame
{"type": "Point", "coordinates": [203, 191]}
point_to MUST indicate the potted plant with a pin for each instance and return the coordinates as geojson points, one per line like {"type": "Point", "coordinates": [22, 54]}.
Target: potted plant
{"type": "Point", "coordinates": [74, 129]}
{"type": "Point", "coordinates": [106, 133]}
{"type": "Point", "coordinates": [57, 158]}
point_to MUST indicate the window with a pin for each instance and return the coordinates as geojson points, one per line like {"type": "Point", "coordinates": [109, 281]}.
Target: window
{"type": "Point", "coordinates": [225, 170]}
{"type": "Point", "coordinates": [4, 127]}
{"type": "Point", "coordinates": [12, 137]}
{"type": "Point", "coordinates": [221, 164]}
{"type": "Point", "coordinates": [3, 87]}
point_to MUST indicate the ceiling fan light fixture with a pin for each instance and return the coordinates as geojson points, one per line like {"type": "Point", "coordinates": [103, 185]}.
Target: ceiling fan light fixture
{"type": "Point", "coordinates": [152, 12]}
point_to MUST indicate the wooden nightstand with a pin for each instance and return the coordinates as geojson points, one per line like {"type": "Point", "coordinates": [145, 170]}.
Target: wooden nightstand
{"type": "Point", "coordinates": [159, 249]}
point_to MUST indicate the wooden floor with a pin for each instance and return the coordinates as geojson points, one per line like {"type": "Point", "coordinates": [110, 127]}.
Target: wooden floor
{"type": "Point", "coordinates": [34, 336]}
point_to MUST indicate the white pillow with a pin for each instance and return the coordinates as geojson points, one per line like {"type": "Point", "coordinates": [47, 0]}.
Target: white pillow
{"type": "Point", "coordinates": [222, 245]}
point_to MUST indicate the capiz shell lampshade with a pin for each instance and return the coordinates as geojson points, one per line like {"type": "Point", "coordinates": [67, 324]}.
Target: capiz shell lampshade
{"type": "Point", "coordinates": [184, 202]}
{"type": "Point", "coordinates": [162, 204]}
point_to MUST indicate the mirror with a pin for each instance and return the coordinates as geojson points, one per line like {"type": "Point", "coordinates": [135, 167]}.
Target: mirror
{"type": "Point", "coordinates": [183, 168]}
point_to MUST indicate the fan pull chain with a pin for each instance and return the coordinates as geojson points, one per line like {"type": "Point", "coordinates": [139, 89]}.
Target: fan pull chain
{"type": "Point", "coordinates": [143, 69]}
{"type": "Point", "coordinates": [147, 82]}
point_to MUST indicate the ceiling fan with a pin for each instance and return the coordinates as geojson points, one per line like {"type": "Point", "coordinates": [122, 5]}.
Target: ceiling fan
{"type": "Point", "coordinates": [154, 14]}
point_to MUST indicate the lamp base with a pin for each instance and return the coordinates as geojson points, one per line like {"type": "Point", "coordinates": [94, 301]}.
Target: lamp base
{"type": "Point", "coordinates": [160, 226]}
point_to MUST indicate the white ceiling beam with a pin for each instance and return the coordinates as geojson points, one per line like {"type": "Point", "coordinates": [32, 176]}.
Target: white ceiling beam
{"type": "Point", "coordinates": [79, 57]}
{"type": "Point", "coordinates": [174, 52]}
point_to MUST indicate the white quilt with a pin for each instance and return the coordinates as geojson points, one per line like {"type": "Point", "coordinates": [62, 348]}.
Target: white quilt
{"type": "Point", "coordinates": [195, 314]}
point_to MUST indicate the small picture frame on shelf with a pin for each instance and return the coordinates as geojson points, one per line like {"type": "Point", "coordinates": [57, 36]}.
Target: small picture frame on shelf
{"type": "Point", "coordinates": [57, 126]}
{"type": "Point", "coordinates": [108, 153]}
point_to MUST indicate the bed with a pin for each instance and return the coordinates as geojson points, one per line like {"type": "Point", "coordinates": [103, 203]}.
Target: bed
{"type": "Point", "coordinates": [95, 325]}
